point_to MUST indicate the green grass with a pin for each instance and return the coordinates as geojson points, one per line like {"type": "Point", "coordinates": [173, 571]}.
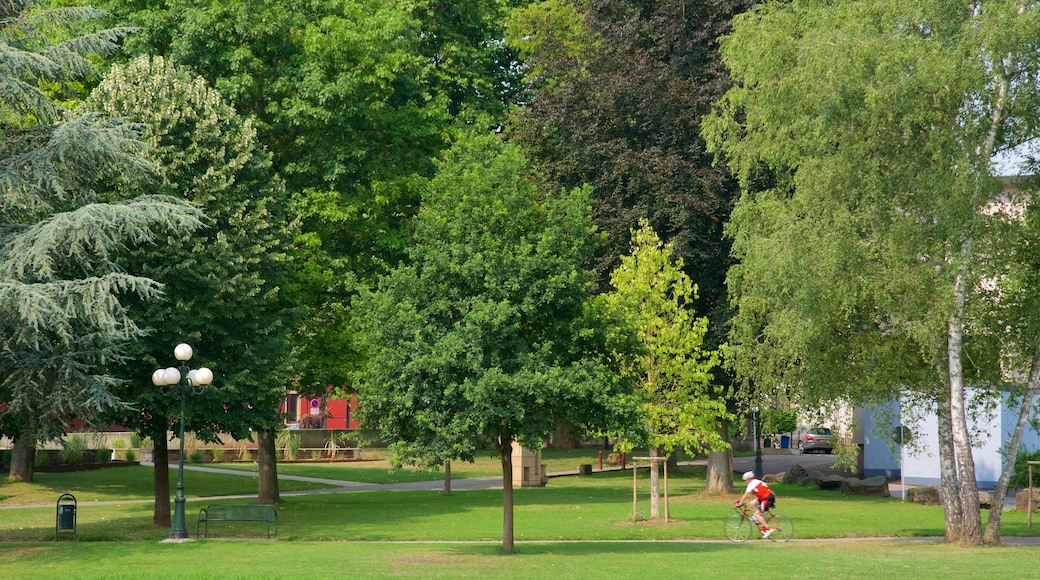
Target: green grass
{"type": "Point", "coordinates": [317, 560]}
{"type": "Point", "coordinates": [576, 527]}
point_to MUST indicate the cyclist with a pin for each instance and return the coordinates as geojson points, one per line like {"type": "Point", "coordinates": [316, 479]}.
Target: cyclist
{"type": "Point", "coordinates": [764, 499]}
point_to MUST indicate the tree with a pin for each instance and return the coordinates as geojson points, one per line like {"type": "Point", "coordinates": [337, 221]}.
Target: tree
{"type": "Point", "coordinates": [353, 99]}
{"type": "Point", "coordinates": [678, 406]}
{"type": "Point", "coordinates": [616, 95]}
{"type": "Point", "coordinates": [487, 337]}
{"type": "Point", "coordinates": [63, 316]}
{"type": "Point", "coordinates": [224, 282]}
{"type": "Point", "coordinates": [864, 135]}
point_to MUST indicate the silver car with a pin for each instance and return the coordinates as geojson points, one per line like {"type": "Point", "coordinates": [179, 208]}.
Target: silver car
{"type": "Point", "coordinates": [816, 439]}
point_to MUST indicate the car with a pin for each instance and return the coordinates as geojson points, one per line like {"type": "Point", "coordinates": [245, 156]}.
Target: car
{"type": "Point", "coordinates": [814, 439]}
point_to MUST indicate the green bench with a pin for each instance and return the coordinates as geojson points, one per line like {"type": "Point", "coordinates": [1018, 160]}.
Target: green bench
{"type": "Point", "coordinates": [237, 513]}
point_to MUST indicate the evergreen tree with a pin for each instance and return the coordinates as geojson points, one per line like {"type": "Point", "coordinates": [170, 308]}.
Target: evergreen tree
{"type": "Point", "coordinates": [62, 315]}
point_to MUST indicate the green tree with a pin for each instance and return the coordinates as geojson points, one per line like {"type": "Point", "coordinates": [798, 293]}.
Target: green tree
{"type": "Point", "coordinates": [678, 405]}
{"type": "Point", "coordinates": [353, 99]}
{"type": "Point", "coordinates": [486, 337]}
{"type": "Point", "coordinates": [870, 261]}
{"type": "Point", "coordinates": [616, 95]}
{"type": "Point", "coordinates": [224, 282]}
{"type": "Point", "coordinates": [63, 317]}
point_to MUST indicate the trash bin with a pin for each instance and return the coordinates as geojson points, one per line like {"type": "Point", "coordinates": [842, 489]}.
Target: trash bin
{"type": "Point", "coordinates": [785, 442]}
{"type": "Point", "coordinates": [65, 518]}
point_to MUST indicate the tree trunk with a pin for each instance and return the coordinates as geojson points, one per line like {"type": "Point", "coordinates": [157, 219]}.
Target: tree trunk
{"type": "Point", "coordinates": [720, 467]}
{"type": "Point", "coordinates": [23, 455]}
{"type": "Point", "coordinates": [673, 463]}
{"type": "Point", "coordinates": [952, 511]}
{"type": "Point", "coordinates": [447, 478]}
{"type": "Point", "coordinates": [161, 477]}
{"type": "Point", "coordinates": [992, 534]}
{"type": "Point", "coordinates": [655, 485]}
{"type": "Point", "coordinates": [507, 496]}
{"type": "Point", "coordinates": [267, 458]}
{"type": "Point", "coordinates": [971, 517]}
{"type": "Point", "coordinates": [563, 438]}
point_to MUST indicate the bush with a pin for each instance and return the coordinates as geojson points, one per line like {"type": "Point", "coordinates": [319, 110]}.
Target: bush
{"type": "Point", "coordinates": [135, 440]}
{"type": "Point", "coordinates": [130, 455]}
{"type": "Point", "coordinates": [196, 456]}
{"type": "Point", "coordinates": [104, 455]}
{"type": "Point", "coordinates": [73, 449]}
{"type": "Point", "coordinates": [1021, 474]}
{"type": "Point", "coordinates": [218, 454]}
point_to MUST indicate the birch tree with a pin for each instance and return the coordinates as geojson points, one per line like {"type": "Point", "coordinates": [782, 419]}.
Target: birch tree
{"type": "Point", "coordinates": [864, 135]}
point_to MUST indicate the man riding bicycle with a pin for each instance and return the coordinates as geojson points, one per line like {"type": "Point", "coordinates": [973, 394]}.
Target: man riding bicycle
{"type": "Point", "coordinates": [764, 499]}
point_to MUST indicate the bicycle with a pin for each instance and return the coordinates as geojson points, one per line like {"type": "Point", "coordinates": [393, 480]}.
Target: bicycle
{"type": "Point", "coordinates": [738, 526]}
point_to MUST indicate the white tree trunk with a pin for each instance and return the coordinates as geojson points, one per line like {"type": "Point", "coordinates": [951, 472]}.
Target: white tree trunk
{"type": "Point", "coordinates": [971, 518]}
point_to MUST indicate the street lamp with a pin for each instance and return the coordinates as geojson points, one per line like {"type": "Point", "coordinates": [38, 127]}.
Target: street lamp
{"type": "Point", "coordinates": [186, 380]}
{"type": "Point", "coordinates": [758, 446]}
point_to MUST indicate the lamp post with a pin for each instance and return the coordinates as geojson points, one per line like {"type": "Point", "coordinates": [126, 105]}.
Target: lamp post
{"type": "Point", "coordinates": [758, 446]}
{"type": "Point", "coordinates": [186, 380]}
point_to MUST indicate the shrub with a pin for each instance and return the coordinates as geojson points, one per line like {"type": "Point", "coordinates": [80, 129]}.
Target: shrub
{"type": "Point", "coordinates": [196, 456]}
{"type": "Point", "coordinates": [43, 459]}
{"type": "Point", "coordinates": [135, 440]}
{"type": "Point", "coordinates": [130, 455]}
{"type": "Point", "coordinates": [218, 454]}
{"type": "Point", "coordinates": [1021, 474]}
{"type": "Point", "coordinates": [73, 449]}
{"type": "Point", "coordinates": [104, 455]}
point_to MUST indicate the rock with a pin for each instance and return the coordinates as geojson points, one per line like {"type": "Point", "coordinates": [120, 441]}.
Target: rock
{"type": "Point", "coordinates": [774, 477]}
{"type": "Point", "coordinates": [923, 495]}
{"type": "Point", "coordinates": [831, 482]}
{"type": "Point", "coordinates": [985, 500]}
{"type": "Point", "coordinates": [1022, 499]}
{"type": "Point", "coordinates": [876, 486]}
{"type": "Point", "coordinates": [798, 475]}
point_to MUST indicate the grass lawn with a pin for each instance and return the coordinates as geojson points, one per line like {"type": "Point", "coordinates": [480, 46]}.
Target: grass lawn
{"type": "Point", "coordinates": [586, 520]}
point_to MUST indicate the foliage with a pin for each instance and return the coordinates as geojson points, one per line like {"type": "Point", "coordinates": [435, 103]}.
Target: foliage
{"type": "Point", "coordinates": [1020, 478]}
{"type": "Point", "coordinates": [218, 454]}
{"type": "Point", "coordinates": [616, 91]}
{"type": "Point", "coordinates": [196, 456]}
{"type": "Point", "coordinates": [62, 315]}
{"type": "Point", "coordinates": [871, 259]}
{"type": "Point", "coordinates": [779, 421]}
{"type": "Point", "coordinates": [289, 443]}
{"type": "Point", "coordinates": [130, 456]}
{"type": "Point", "coordinates": [678, 405]}
{"type": "Point", "coordinates": [486, 337]}
{"type": "Point", "coordinates": [73, 449]}
{"type": "Point", "coordinates": [227, 276]}
{"type": "Point", "coordinates": [353, 99]}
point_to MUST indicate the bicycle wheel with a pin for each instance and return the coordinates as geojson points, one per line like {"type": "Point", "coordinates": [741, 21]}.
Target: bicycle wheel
{"type": "Point", "coordinates": [737, 528]}
{"type": "Point", "coordinates": [783, 530]}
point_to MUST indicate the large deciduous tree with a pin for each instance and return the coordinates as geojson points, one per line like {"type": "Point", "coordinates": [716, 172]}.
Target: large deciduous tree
{"type": "Point", "coordinates": [62, 289]}
{"type": "Point", "coordinates": [224, 283]}
{"type": "Point", "coordinates": [869, 266]}
{"type": "Point", "coordinates": [353, 99]}
{"type": "Point", "coordinates": [486, 337]}
{"type": "Point", "coordinates": [616, 92]}
{"type": "Point", "coordinates": [678, 405]}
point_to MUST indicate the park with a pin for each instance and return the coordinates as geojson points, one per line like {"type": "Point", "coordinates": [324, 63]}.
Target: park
{"type": "Point", "coordinates": [575, 527]}
{"type": "Point", "coordinates": [482, 235]}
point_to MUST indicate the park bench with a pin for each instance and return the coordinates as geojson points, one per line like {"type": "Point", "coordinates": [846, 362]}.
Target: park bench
{"type": "Point", "coordinates": [237, 513]}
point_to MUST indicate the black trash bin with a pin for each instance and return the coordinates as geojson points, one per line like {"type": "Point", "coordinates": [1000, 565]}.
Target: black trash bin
{"type": "Point", "coordinates": [65, 518]}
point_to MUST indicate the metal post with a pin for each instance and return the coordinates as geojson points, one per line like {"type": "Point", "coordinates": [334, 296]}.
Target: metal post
{"type": "Point", "coordinates": [179, 529]}
{"type": "Point", "coordinates": [758, 446]}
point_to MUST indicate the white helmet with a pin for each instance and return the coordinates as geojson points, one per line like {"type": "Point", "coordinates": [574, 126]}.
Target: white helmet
{"type": "Point", "coordinates": [748, 475]}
